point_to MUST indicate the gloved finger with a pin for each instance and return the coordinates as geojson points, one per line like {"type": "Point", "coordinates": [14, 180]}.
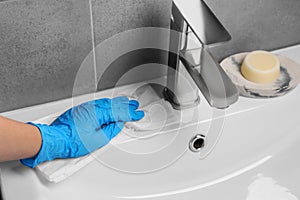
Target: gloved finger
{"type": "Point", "coordinates": [134, 104]}
{"type": "Point", "coordinates": [120, 99]}
{"type": "Point", "coordinates": [136, 114]}
{"type": "Point", "coordinates": [123, 100]}
{"type": "Point", "coordinates": [108, 103]}
{"type": "Point", "coordinates": [104, 102]}
{"type": "Point", "coordinates": [113, 129]}
{"type": "Point", "coordinates": [126, 114]}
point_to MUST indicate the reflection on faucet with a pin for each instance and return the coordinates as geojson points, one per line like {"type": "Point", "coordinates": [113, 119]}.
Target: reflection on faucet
{"type": "Point", "coordinates": [199, 28]}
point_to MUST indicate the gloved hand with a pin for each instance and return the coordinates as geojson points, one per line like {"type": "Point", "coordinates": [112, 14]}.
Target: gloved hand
{"type": "Point", "coordinates": [84, 128]}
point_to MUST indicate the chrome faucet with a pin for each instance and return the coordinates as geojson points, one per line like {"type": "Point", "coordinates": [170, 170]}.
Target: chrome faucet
{"type": "Point", "coordinates": [191, 65]}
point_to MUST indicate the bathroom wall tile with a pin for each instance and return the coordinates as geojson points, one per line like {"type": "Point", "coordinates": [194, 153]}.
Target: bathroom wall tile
{"type": "Point", "coordinates": [259, 24]}
{"type": "Point", "coordinates": [42, 45]}
{"type": "Point", "coordinates": [118, 25]}
{"type": "Point", "coordinates": [114, 16]}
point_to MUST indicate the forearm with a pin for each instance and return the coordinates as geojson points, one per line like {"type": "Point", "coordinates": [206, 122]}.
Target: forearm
{"type": "Point", "coordinates": [18, 140]}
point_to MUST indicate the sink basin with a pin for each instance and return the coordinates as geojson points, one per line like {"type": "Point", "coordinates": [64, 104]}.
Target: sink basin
{"type": "Point", "coordinates": [253, 143]}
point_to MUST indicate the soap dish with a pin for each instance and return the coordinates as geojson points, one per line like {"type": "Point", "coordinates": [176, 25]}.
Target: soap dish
{"type": "Point", "coordinates": [288, 79]}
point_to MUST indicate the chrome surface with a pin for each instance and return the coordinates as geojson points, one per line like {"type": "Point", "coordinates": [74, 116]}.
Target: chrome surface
{"type": "Point", "coordinates": [193, 67]}
{"type": "Point", "coordinates": [197, 143]}
{"type": "Point", "coordinates": [197, 15]}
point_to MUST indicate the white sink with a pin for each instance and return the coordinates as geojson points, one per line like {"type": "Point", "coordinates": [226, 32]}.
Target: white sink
{"type": "Point", "coordinates": [253, 144]}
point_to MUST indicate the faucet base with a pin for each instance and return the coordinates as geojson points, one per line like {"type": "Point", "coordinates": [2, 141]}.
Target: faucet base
{"type": "Point", "coordinates": [171, 97]}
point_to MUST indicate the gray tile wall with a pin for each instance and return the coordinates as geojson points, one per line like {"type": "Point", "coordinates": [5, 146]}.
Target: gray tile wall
{"type": "Point", "coordinates": [258, 24]}
{"type": "Point", "coordinates": [117, 27]}
{"type": "Point", "coordinates": [43, 43]}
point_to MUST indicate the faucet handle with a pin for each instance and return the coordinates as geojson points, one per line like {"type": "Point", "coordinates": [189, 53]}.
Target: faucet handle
{"type": "Point", "coordinates": [200, 19]}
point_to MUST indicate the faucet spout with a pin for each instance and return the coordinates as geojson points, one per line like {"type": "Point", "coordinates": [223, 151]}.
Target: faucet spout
{"type": "Point", "coordinates": [215, 85]}
{"type": "Point", "coordinates": [195, 21]}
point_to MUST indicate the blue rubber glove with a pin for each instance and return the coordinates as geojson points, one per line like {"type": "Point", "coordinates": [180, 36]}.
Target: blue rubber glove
{"type": "Point", "coordinates": [84, 128]}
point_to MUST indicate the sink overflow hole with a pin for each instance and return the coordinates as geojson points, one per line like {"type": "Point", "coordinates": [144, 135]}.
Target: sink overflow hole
{"type": "Point", "coordinates": [197, 143]}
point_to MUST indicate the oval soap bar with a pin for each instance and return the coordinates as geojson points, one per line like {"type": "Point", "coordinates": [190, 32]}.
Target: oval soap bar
{"type": "Point", "coordinates": [260, 67]}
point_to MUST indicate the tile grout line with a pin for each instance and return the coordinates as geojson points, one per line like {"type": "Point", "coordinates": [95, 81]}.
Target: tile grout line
{"type": "Point", "coordinates": [93, 45]}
